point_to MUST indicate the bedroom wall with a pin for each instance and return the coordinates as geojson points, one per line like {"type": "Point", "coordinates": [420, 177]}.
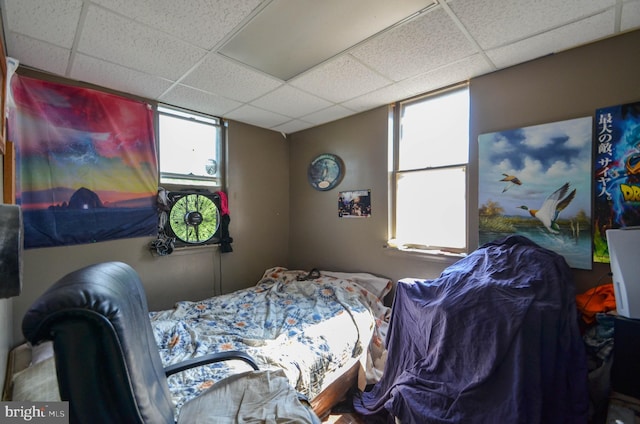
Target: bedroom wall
{"type": "Point", "coordinates": [319, 238]}
{"type": "Point", "coordinates": [259, 209]}
{"type": "Point", "coordinates": [562, 86]}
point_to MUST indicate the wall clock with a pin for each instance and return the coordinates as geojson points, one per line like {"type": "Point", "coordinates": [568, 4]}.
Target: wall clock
{"type": "Point", "coordinates": [325, 172]}
{"type": "Point", "coordinates": [194, 218]}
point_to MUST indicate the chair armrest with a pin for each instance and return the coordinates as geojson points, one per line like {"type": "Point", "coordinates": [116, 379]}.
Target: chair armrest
{"type": "Point", "coordinates": [209, 359]}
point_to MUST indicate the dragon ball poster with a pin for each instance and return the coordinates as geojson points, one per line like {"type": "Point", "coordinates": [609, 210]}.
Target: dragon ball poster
{"type": "Point", "coordinates": [617, 173]}
{"type": "Point", "coordinates": [536, 182]}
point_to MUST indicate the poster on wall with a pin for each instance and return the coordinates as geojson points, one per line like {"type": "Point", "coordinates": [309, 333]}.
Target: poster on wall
{"type": "Point", "coordinates": [617, 173]}
{"type": "Point", "coordinates": [86, 167]}
{"type": "Point", "coordinates": [354, 204]}
{"type": "Point", "coordinates": [536, 182]}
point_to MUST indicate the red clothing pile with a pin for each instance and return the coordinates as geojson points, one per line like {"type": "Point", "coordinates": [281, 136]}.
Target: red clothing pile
{"type": "Point", "coordinates": [600, 299]}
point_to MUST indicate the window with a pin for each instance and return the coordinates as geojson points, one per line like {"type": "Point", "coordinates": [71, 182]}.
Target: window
{"type": "Point", "coordinates": [429, 172]}
{"type": "Point", "coordinates": [190, 148]}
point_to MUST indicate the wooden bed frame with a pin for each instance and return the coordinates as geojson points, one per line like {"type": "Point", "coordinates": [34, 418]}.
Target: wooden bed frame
{"type": "Point", "coordinates": [335, 392]}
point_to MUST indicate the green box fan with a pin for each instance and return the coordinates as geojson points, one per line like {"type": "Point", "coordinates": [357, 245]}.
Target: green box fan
{"type": "Point", "coordinates": [194, 217]}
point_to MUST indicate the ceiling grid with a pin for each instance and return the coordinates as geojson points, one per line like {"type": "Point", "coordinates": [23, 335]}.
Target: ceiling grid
{"type": "Point", "coordinates": [181, 53]}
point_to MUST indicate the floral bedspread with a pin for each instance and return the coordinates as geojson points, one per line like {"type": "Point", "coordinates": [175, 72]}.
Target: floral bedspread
{"type": "Point", "coordinates": [307, 328]}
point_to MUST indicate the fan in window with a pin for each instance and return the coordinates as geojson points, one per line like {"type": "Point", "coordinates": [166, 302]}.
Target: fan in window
{"type": "Point", "coordinates": [194, 217]}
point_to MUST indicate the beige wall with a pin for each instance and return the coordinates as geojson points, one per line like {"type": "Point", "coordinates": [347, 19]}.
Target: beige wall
{"type": "Point", "coordinates": [558, 87]}
{"type": "Point", "coordinates": [259, 209]}
{"type": "Point", "coordinates": [319, 238]}
{"type": "Point", "coordinates": [258, 187]}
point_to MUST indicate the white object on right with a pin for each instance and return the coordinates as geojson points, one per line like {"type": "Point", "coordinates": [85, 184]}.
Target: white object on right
{"type": "Point", "coordinates": [624, 255]}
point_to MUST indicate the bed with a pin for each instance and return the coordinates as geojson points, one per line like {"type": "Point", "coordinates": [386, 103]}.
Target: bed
{"type": "Point", "coordinates": [319, 332]}
{"type": "Point", "coordinates": [324, 329]}
{"type": "Point", "coordinates": [494, 338]}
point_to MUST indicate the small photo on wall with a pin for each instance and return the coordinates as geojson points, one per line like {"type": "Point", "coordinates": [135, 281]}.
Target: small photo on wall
{"type": "Point", "coordinates": [354, 204]}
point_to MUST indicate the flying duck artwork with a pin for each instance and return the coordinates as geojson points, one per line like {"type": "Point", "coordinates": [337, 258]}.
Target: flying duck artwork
{"type": "Point", "coordinates": [551, 208]}
{"type": "Point", "coordinates": [511, 180]}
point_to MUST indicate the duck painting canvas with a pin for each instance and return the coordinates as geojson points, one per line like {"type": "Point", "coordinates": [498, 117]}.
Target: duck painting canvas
{"type": "Point", "coordinates": [536, 181]}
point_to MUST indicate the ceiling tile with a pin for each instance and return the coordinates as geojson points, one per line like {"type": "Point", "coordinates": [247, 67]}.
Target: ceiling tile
{"type": "Point", "coordinates": [292, 126]}
{"type": "Point", "coordinates": [340, 79]}
{"type": "Point", "coordinates": [199, 101]}
{"type": "Point", "coordinates": [425, 43]}
{"type": "Point", "coordinates": [38, 54]}
{"type": "Point", "coordinates": [494, 23]}
{"type": "Point", "coordinates": [386, 95]}
{"type": "Point", "coordinates": [630, 15]}
{"type": "Point", "coordinates": [119, 78]}
{"type": "Point", "coordinates": [51, 21]}
{"type": "Point", "coordinates": [221, 76]}
{"type": "Point", "coordinates": [582, 32]}
{"type": "Point", "coordinates": [202, 23]}
{"type": "Point", "coordinates": [329, 114]}
{"type": "Point", "coordinates": [451, 74]}
{"type": "Point", "coordinates": [444, 76]}
{"type": "Point", "coordinates": [116, 39]}
{"type": "Point", "coordinates": [257, 116]}
{"type": "Point", "coordinates": [290, 101]}
{"type": "Point", "coordinates": [290, 37]}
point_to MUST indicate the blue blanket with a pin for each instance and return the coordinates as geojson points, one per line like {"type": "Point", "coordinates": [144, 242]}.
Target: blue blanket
{"type": "Point", "coordinates": [494, 339]}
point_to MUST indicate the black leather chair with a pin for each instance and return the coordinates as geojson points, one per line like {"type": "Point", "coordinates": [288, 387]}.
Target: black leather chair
{"type": "Point", "coordinates": [107, 362]}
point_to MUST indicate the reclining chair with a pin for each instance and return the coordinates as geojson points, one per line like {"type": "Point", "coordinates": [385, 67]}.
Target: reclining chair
{"type": "Point", "coordinates": [107, 361]}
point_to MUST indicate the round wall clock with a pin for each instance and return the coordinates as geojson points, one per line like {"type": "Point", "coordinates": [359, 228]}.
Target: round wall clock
{"type": "Point", "coordinates": [194, 218]}
{"type": "Point", "coordinates": [325, 172]}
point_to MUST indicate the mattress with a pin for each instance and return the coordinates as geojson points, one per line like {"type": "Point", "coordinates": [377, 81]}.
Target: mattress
{"type": "Point", "coordinates": [311, 328]}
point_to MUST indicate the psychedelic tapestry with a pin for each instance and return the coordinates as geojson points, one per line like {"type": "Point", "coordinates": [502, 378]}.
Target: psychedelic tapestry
{"type": "Point", "coordinates": [86, 165]}
{"type": "Point", "coordinates": [617, 173]}
{"type": "Point", "coordinates": [536, 182]}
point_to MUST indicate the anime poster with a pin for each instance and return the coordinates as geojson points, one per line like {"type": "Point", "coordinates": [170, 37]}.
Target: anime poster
{"type": "Point", "coordinates": [86, 167]}
{"type": "Point", "coordinates": [354, 204]}
{"type": "Point", "coordinates": [536, 181]}
{"type": "Point", "coordinates": [617, 173]}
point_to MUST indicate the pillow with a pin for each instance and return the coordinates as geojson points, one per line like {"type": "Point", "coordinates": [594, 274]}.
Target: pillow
{"type": "Point", "coordinates": [378, 286]}
{"type": "Point", "coordinates": [36, 383]}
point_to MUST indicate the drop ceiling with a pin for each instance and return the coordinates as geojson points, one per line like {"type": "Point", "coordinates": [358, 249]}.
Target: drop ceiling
{"type": "Point", "coordinates": [226, 57]}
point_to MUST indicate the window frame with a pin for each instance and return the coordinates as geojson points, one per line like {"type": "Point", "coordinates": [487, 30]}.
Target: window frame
{"type": "Point", "coordinates": [181, 182]}
{"type": "Point", "coordinates": [395, 115]}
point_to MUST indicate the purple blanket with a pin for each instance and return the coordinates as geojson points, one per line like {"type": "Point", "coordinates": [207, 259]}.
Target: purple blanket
{"type": "Point", "coordinates": [494, 339]}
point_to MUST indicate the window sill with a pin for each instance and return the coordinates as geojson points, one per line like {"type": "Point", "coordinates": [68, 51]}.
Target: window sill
{"type": "Point", "coordinates": [188, 250]}
{"type": "Point", "coordinates": [183, 250]}
{"type": "Point", "coordinates": [423, 254]}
